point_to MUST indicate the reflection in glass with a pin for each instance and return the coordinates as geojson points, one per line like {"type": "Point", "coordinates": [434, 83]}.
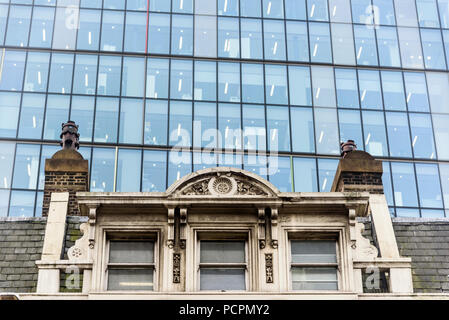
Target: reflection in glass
{"type": "Point", "coordinates": [229, 126]}
{"type": "Point", "coordinates": [297, 41]}
{"type": "Point", "coordinates": [179, 165]}
{"type": "Point", "coordinates": [61, 73]}
{"type": "Point", "coordinates": [9, 106]}
{"type": "Point", "coordinates": [388, 46]}
{"type": "Point", "coordinates": [130, 130]}
{"type": "Point", "coordinates": [112, 30]}
{"type": "Point", "coordinates": [252, 83]}
{"type": "Point", "coordinates": [26, 166]}
{"type": "Point", "coordinates": [106, 120]}
{"type": "Point", "coordinates": [374, 133]}
{"type": "Point", "coordinates": [305, 175]}
{"type": "Point", "coordinates": [182, 6]}
{"type": "Point", "coordinates": [404, 184]}
{"type": "Point", "coordinates": [441, 131]}
{"type": "Point", "coordinates": [302, 126]}
{"type": "Point", "coordinates": [89, 30]}
{"type": "Point", "coordinates": [386, 181]}
{"type": "Point", "coordinates": [323, 87]}
{"type": "Point", "coordinates": [276, 84]}
{"type": "Point", "coordinates": [180, 133]}
{"type": "Point", "coordinates": [300, 86]}
{"type": "Point", "coordinates": [109, 76]}
{"type": "Point", "coordinates": [409, 42]}
{"type": "Point", "coordinates": [82, 113]}
{"type": "Point", "coordinates": [370, 92]}
{"type": "Point", "coordinates": [251, 38]}
{"type": "Point", "coordinates": [406, 13]}
{"type": "Point", "coordinates": [128, 170]}
{"type": "Point", "coordinates": [205, 80]}
{"type": "Point", "coordinates": [57, 112]}
{"type": "Point", "coordinates": [181, 79]}
{"type": "Point", "coordinates": [250, 8]}
{"type": "Point", "coordinates": [66, 25]}
{"type": "Point", "coordinates": [228, 81]}
{"type": "Point", "coordinates": [274, 40]}
{"type": "Point", "coordinates": [206, 36]}
{"type": "Point", "coordinates": [85, 80]}
{"type": "Point", "coordinates": [154, 171]}
{"type": "Point", "coordinates": [157, 78]}
{"type": "Point", "coordinates": [393, 90]}
{"type": "Point", "coordinates": [7, 150]}
{"type": "Point", "coordinates": [31, 116]}
{"type": "Point", "coordinates": [273, 9]}
{"type": "Point", "coordinates": [317, 10]}
{"type": "Point", "coordinates": [326, 173]}
{"type": "Point", "coordinates": [102, 172]}
{"type": "Point", "coordinates": [254, 137]}
{"type": "Point", "coordinates": [429, 189]}
{"type": "Point", "coordinates": [347, 88]}
{"type": "Point", "coordinates": [22, 203]}
{"type": "Point", "coordinates": [350, 127]}
{"type": "Point", "coordinates": [295, 9]}
{"type": "Point", "coordinates": [320, 42]}
{"type": "Point", "coordinates": [365, 46]}
{"type": "Point", "coordinates": [422, 136]}
{"type": "Point", "coordinates": [438, 85]}
{"type": "Point", "coordinates": [444, 175]}
{"type": "Point", "coordinates": [416, 91]}
{"type": "Point", "coordinates": [18, 26]}
{"type": "Point", "coordinates": [280, 173]}
{"type": "Point", "coordinates": [398, 134]}
{"type": "Point", "coordinates": [228, 38]}
{"type": "Point", "coordinates": [159, 33]}
{"type": "Point", "coordinates": [182, 35]}
{"type": "Point", "coordinates": [433, 49]}
{"type": "Point", "coordinates": [326, 131]}
{"type": "Point", "coordinates": [41, 27]}
{"type": "Point", "coordinates": [278, 128]}
{"type": "Point", "coordinates": [204, 125]}
{"type": "Point", "coordinates": [427, 13]}
{"type": "Point", "coordinates": [36, 74]}
{"type": "Point", "coordinates": [13, 65]}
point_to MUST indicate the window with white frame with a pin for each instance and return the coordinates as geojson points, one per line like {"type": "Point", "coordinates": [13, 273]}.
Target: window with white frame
{"type": "Point", "coordinates": [314, 264]}
{"type": "Point", "coordinates": [131, 263]}
{"type": "Point", "coordinates": [222, 265]}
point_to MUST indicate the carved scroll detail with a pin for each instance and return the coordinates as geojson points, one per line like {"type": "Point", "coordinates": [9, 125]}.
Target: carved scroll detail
{"type": "Point", "coordinates": [79, 252]}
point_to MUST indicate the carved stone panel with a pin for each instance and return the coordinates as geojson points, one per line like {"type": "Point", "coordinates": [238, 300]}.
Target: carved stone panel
{"type": "Point", "coordinates": [363, 249]}
{"type": "Point", "coordinates": [176, 267]}
{"type": "Point", "coordinates": [269, 267]}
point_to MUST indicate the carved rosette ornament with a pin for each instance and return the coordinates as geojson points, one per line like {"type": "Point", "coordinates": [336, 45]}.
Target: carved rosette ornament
{"type": "Point", "coordinates": [79, 250]}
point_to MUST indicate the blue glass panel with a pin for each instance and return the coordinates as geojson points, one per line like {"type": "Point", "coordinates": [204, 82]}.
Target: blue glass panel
{"type": "Point", "coordinates": [326, 173]}
{"type": "Point", "coordinates": [160, 5]}
{"type": "Point", "coordinates": [444, 13]}
{"type": "Point", "coordinates": [106, 120]}
{"type": "Point", "coordinates": [278, 128]}
{"type": "Point", "coordinates": [57, 112]}
{"type": "Point", "coordinates": [228, 7]}
{"type": "Point", "coordinates": [31, 116]}
{"type": "Point", "coordinates": [323, 86]}
{"type": "Point", "coordinates": [4, 202]}
{"type": "Point", "coordinates": [13, 65]}
{"type": "Point", "coordinates": [302, 126]}
{"type": "Point", "coordinates": [181, 79]}
{"type": "Point", "coordinates": [7, 150]}
{"type": "Point", "coordinates": [228, 82]}
{"type": "Point", "coordinates": [343, 44]}
{"type": "Point", "coordinates": [131, 124]}
{"type": "Point", "coordinates": [3, 19]}
{"type": "Point", "coordinates": [66, 26]}
{"type": "Point", "coordinates": [280, 173]}
{"type": "Point", "coordinates": [109, 76]}
{"type": "Point", "coordinates": [326, 131]}
{"type": "Point", "coordinates": [446, 43]}
{"type": "Point", "coordinates": [250, 8]}
{"type": "Point", "coordinates": [113, 4]}
{"type": "Point", "coordinates": [156, 117]}
{"type": "Point", "coordinates": [47, 152]}
{"type": "Point", "coordinates": [276, 84]}
{"type": "Point", "coordinates": [347, 88]}
{"type": "Point", "coordinates": [102, 172]}
{"type": "Point", "coordinates": [61, 73]}
{"type": "Point", "coordinates": [179, 165]}
{"type": "Point", "coordinates": [384, 12]}
{"type": "Point", "coordinates": [26, 166]}
{"type": "Point", "coordinates": [154, 171]}
{"type": "Point", "coordinates": [433, 49]}
{"type": "Point", "coordinates": [374, 133]}
{"type": "Point", "coordinates": [85, 79]}
{"type": "Point", "coordinates": [89, 30]}
{"type": "Point", "coordinates": [22, 203]}
{"type": "Point", "coordinates": [203, 160]}
{"type": "Point", "coordinates": [39, 203]}
{"type": "Point", "coordinates": [444, 175]}
{"type": "Point", "coordinates": [317, 10]}
{"type": "Point", "coordinates": [205, 125]}
{"type": "Point", "coordinates": [159, 33]}
{"type": "Point", "coordinates": [36, 74]}
{"type": "Point", "coordinates": [431, 213]}
{"type": "Point", "coordinates": [18, 26]}
{"type": "Point", "coordinates": [273, 9]}
{"type": "Point", "coordinates": [406, 13]}
{"type": "Point", "coordinates": [274, 40]}
{"type": "Point", "coordinates": [320, 43]}
{"type": "Point", "coordinates": [182, 35]}
{"type": "Point", "coordinates": [441, 131]}
{"type": "Point", "coordinates": [205, 80]}
{"type": "Point", "coordinates": [427, 13]}
{"type": "Point", "coordinates": [422, 136]}
{"type": "Point", "coordinates": [370, 92]}
{"type": "Point", "coordinates": [416, 91]}
{"type": "Point", "coordinates": [254, 136]}
{"type": "Point", "coordinates": [340, 10]}
{"type": "Point", "coordinates": [365, 46]}
{"type": "Point", "coordinates": [295, 9]}
{"type": "Point", "coordinates": [350, 127]}
{"type": "Point", "coordinates": [82, 113]}
{"type": "Point", "coordinates": [388, 46]}
{"type": "Point", "coordinates": [393, 90]}
{"type": "Point", "coordinates": [362, 12]}
{"type": "Point", "coordinates": [297, 41]}
{"type": "Point", "coordinates": [300, 86]}
{"type": "Point", "coordinates": [180, 132]}
{"type": "Point", "coordinates": [411, 53]}
{"type": "Point", "coordinates": [53, 2]}
{"type": "Point", "coordinates": [157, 78]}
{"type": "Point", "coordinates": [256, 164]}
{"type": "Point", "coordinates": [84, 3]}
{"type": "Point", "coordinates": [407, 213]}
{"type": "Point", "coordinates": [183, 6]}
{"type": "Point", "coordinates": [41, 27]}
{"type": "Point", "coordinates": [229, 127]}
{"type": "Point", "coordinates": [404, 184]}
{"type": "Point", "coordinates": [386, 181]}
{"type": "Point", "coordinates": [128, 170]}
{"type": "Point", "coordinates": [9, 109]}
{"type": "Point", "coordinates": [140, 5]}
{"type": "Point", "coordinates": [398, 134]}
{"type": "Point", "coordinates": [135, 31]}
{"type": "Point", "coordinates": [112, 31]}
{"type": "Point", "coordinates": [251, 38]}
{"type": "Point", "coordinates": [438, 85]}
{"type": "Point", "coordinates": [429, 189]}
{"type": "Point", "coordinates": [305, 175]}
{"type": "Point", "coordinates": [228, 38]}
{"type": "Point", "coordinates": [133, 77]}
{"type": "Point", "coordinates": [252, 83]}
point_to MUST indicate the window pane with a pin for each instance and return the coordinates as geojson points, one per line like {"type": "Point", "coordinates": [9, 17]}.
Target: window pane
{"type": "Point", "coordinates": [343, 44]}
{"type": "Point", "coordinates": [205, 7]}
{"type": "Point", "coordinates": [128, 180]}
{"type": "Point", "coordinates": [302, 126]}
{"type": "Point", "coordinates": [404, 184]}
{"type": "Point", "coordinates": [361, 12]}
{"type": "Point", "coordinates": [323, 87]}
{"type": "Point", "coordinates": [156, 117]}
{"type": "Point", "coordinates": [112, 31]}
{"type": "Point", "coordinates": [131, 111]}
{"type": "Point", "coordinates": [133, 76]}
{"type": "Point", "coordinates": [7, 150]}
{"type": "Point", "coordinates": [276, 84]}
{"type": "Point", "coordinates": [41, 27]}
{"type": "Point", "coordinates": [274, 40]}
{"type": "Point", "coordinates": [228, 7]}
{"type": "Point", "coordinates": [406, 13]}
{"type": "Point", "coordinates": [222, 252]}
{"type": "Point", "coordinates": [444, 173]}
{"type": "Point", "coordinates": [85, 78]}
{"type": "Point", "coordinates": [134, 279]}
{"type": "Point", "coordinates": [299, 83]}
{"type": "Point", "coordinates": [9, 107]}
{"type": "Point", "coordinates": [252, 86]}
{"type": "Point", "coordinates": [180, 124]}
{"type": "Point", "coordinates": [320, 43]}
{"type": "Point", "coordinates": [398, 134]}
{"type": "Point", "coordinates": [295, 9]}
{"type": "Point", "coordinates": [56, 113]}
{"type": "Point", "coordinates": [314, 251]}
{"type": "Point", "coordinates": [61, 73]}
{"type": "Point", "coordinates": [340, 10]}
{"type": "Point", "coordinates": [102, 174]}
{"type": "Point", "coordinates": [183, 6]}
{"type": "Point", "coordinates": [154, 171]}
{"type": "Point", "coordinates": [386, 181]}
{"type": "Point", "coordinates": [250, 8]}
{"type": "Point", "coordinates": [444, 13]}
{"type": "Point", "coordinates": [206, 36]}
{"type": "Point", "coordinates": [4, 202]}
{"type": "Point", "coordinates": [222, 279]}
{"type": "Point", "coordinates": [416, 91]}
{"type": "Point", "coordinates": [159, 33]}
{"type": "Point", "coordinates": [136, 5]}
{"type": "Point", "coordinates": [326, 131]}
{"type": "Point", "coordinates": [106, 120]}
{"type": "Point", "coordinates": [254, 127]}
{"type": "Point", "coordinates": [350, 127]}
{"type": "Point", "coordinates": [109, 76]}
{"type": "Point", "coordinates": [370, 92]}
{"type": "Point", "coordinates": [305, 175]}
{"type": "Point", "coordinates": [365, 45]}
{"type": "Point", "coordinates": [314, 279]}
{"type": "Point", "coordinates": [374, 133]}
{"type": "Point", "coordinates": [135, 31]}
{"type": "Point", "coordinates": [179, 165]}
{"type": "Point", "coordinates": [205, 80]}
{"type": "Point", "coordinates": [317, 10]}
{"type": "Point", "coordinates": [441, 131]}
{"type": "Point", "coordinates": [297, 41]}
{"type": "Point", "coordinates": [82, 113]}
{"type": "Point", "coordinates": [22, 203]}
{"type": "Point", "coordinates": [229, 126]}
{"type": "Point", "coordinates": [228, 82]}
{"type": "Point", "coordinates": [32, 116]}
{"type": "Point", "coordinates": [429, 185]}
{"type": "Point", "coordinates": [347, 88]}
{"type": "Point", "coordinates": [84, 3]}
{"type": "Point", "coordinates": [438, 84]}
{"type": "Point", "coordinates": [228, 38]}
{"type": "Point", "coordinates": [66, 25]}
{"type": "Point", "coordinates": [393, 89]}
{"type": "Point", "coordinates": [278, 128]}
{"type": "Point", "coordinates": [256, 164]}
{"type": "Point", "coordinates": [280, 173]}
{"type": "Point", "coordinates": [3, 19]}
{"type": "Point", "coordinates": [113, 4]}
{"type": "Point", "coordinates": [388, 46]}
{"type": "Point", "coordinates": [410, 49]}
{"type": "Point", "coordinates": [157, 78]}
{"type": "Point", "coordinates": [181, 79]}
{"type": "Point", "coordinates": [326, 173]}
{"type": "Point", "coordinates": [205, 124]}
{"type": "Point", "coordinates": [422, 136]}
{"type": "Point", "coordinates": [182, 35]}
{"type": "Point", "coordinates": [385, 14]}
{"type": "Point", "coordinates": [273, 9]}
{"type": "Point", "coordinates": [427, 13]}
{"type": "Point", "coordinates": [409, 213]}
{"type": "Point", "coordinates": [160, 5]}
{"type": "Point", "coordinates": [131, 251]}
{"type": "Point", "coordinates": [37, 72]}
{"type": "Point", "coordinates": [89, 30]}
{"type": "Point", "coordinates": [433, 49]}
{"type": "Point", "coordinates": [13, 65]}
{"type": "Point", "coordinates": [251, 38]}
{"type": "Point", "coordinates": [18, 26]}
{"type": "Point", "coordinates": [26, 166]}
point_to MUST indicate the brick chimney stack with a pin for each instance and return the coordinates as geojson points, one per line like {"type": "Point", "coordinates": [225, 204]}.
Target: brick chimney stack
{"type": "Point", "coordinates": [66, 171]}
{"type": "Point", "coordinates": [357, 171]}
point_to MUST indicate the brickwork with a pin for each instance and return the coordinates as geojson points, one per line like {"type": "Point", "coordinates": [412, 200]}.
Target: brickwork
{"type": "Point", "coordinates": [360, 181]}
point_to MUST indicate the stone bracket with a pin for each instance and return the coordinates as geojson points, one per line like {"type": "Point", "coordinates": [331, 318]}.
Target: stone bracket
{"type": "Point", "coordinates": [92, 221]}
{"type": "Point", "coordinates": [352, 227]}
{"type": "Point", "coordinates": [274, 229]}
{"type": "Point", "coordinates": [179, 238]}
{"type": "Point", "coordinates": [261, 227]}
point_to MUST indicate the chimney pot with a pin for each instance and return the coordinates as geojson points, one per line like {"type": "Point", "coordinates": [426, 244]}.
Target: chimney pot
{"type": "Point", "coordinates": [347, 147]}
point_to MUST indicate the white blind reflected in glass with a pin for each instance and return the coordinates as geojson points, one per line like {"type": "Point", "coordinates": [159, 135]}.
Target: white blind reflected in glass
{"type": "Point", "coordinates": [131, 252]}
{"type": "Point", "coordinates": [314, 252]}
{"type": "Point", "coordinates": [222, 252]}
{"type": "Point", "coordinates": [130, 279]}
{"type": "Point", "coordinates": [222, 279]}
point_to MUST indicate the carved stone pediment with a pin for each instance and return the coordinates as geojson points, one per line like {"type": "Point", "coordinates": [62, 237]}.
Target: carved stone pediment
{"type": "Point", "coordinates": [222, 182]}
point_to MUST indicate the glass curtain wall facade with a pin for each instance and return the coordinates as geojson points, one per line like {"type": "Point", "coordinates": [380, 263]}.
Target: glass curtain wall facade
{"type": "Point", "coordinates": [146, 78]}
